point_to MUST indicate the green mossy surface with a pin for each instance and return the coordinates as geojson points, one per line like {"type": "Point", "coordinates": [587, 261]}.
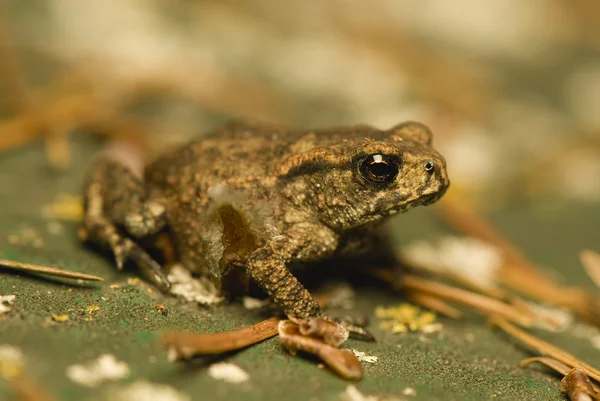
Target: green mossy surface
{"type": "Point", "coordinates": [466, 361]}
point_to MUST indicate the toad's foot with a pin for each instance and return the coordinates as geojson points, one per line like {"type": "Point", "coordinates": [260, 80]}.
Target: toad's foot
{"type": "Point", "coordinates": [101, 231]}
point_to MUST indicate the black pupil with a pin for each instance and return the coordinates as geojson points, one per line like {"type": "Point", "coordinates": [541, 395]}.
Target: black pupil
{"type": "Point", "coordinates": [379, 168]}
{"type": "Point", "coordinates": [429, 166]}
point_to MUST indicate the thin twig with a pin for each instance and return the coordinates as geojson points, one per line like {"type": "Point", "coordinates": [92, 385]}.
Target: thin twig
{"type": "Point", "coordinates": [50, 271]}
{"type": "Point", "coordinates": [188, 344]}
{"type": "Point", "coordinates": [434, 303]}
{"type": "Point", "coordinates": [519, 272]}
{"type": "Point", "coordinates": [480, 303]}
{"type": "Point", "coordinates": [477, 302]}
{"type": "Point", "coordinates": [545, 348]}
{"type": "Point", "coordinates": [549, 362]}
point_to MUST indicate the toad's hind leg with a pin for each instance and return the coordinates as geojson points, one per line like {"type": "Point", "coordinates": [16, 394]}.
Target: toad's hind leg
{"type": "Point", "coordinates": [115, 197]}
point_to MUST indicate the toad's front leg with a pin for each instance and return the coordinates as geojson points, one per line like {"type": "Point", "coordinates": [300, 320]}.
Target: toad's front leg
{"type": "Point", "coordinates": [268, 266]}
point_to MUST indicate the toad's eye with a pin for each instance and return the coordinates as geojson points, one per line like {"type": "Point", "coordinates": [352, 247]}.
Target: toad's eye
{"type": "Point", "coordinates": [381, 169]}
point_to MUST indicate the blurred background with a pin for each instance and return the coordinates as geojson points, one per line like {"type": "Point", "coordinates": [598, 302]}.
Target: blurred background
{"type": "Point", "coordinates": [510, 88]}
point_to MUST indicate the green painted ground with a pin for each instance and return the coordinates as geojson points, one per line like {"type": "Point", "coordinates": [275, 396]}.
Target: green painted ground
{"type": "Point", "coordinates": [444, 366]}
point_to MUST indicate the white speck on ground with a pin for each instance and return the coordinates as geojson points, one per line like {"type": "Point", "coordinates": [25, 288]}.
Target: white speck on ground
{"type": "Point", "coordinates": [143, 390]}
{"type": "Point", "coordinates": [362, 357]}
{"type": "Point", "coordinates": [193, 289]}
{"type": "Point", "coordinates": [468, 258]}
{"type": "Point", "coordinates": [409, 391]}
{"type": "Point", "coordinates": [587, 332]}
{"type": "Point", "coordinates": [353, 394]}
{"type": "Point", "coordinates": [551, 318]}
{"type": "Point", "coordinates": [228, 372]}
{"type": "Point", "coordinates": [6, 303]}
{"type": "Point", "coordinates": [341, 296]}
{"type": "Point", "coordinates": [105, 368]}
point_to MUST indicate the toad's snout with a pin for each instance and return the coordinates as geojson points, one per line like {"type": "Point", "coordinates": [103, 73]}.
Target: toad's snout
{"type": "Point", "coordinates": [436, 179]}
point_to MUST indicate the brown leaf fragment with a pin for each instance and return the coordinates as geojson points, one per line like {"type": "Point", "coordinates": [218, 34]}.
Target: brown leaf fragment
{"type": "Point", "coordinates": [577, 385]}
{"type": "Point", "coordinates": [545, 348]}
{"type": "Point", "coordinates": [341, 361]}
{"type": "Point", "coordinates": [187, 344]}
{"type": "Point", "coordinates": [47, 270]}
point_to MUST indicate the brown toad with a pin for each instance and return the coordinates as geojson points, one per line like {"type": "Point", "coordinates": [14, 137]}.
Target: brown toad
{"type": "Point", "coordinates": [258, 199]}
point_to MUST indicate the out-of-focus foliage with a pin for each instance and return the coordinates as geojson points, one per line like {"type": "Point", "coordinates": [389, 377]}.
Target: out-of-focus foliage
{"type": "Point", "coordinates": [511, 88]}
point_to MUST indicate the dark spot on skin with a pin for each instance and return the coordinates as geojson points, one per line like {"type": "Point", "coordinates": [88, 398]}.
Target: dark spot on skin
{"type": "Point", "coordinates": [239, 243]}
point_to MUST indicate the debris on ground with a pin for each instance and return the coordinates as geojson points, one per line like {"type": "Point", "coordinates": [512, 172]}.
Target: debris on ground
{"type": "Point", "coordinates": [143, 390]}
{"type": "Point", "coordinates": [185, 344]}
{"type": "Point", "coordinates": [55, 228]}
{"type": "Point", "coordinates": [341, 361]}
{"type": "Point", "coordinates": [467, 259]}
{"type": "Point", "coordinates": [65, 207]}
{"type": "Point", "coordinates": [92, 309]}
{"type": "Point", "coordinates": [409, 391]}
{"type": "Point", "coordinates": [406, 317]}
{"type": "Point", "coordinates": [363, 357]}
{"type": "Point", "coordinates": [106, 367]}
{"type": "Point", "coordinates": [26, 236]}
{"type": "Point", "coordinates": [353, 394]}
{"type": "Point", "coordinates": [545, 348]}
{"type": "Point", "coordinates": [47, 270]}
{"type": "Point", "coordinates": [341, 296]}
{"type": "Point", "coordinates": [551, 318]}
{"type": "Point", "coordinates": [193, 289]}
{"type": "Point", "coordinates": [576, 383]}
{"type": "Point", "coordinates": [6, 303]}
{"type": "Point", "coordinates": [60, 317]}
{"type": "Point", "coordinates": [228, 372]}
{"type": "Point", "coordinates": [11, 361]}
{"type": "Point", "coordinates": [133, 281]}
{"type": "Point", "coordinates": [591, 263]}
{"type": "Point", "coordinates": [254, 303]}
{"type": "Point", "coordinates": [578, 386]}
{"type": "Point", "coordinates": [587, 332]}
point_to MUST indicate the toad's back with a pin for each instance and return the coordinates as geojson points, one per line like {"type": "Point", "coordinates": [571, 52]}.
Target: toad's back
{"type": "Point", "coordinates": [240, 155]}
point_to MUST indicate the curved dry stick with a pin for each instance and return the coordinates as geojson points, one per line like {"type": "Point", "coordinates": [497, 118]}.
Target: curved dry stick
{"type": "Point", "coordinates": [188, 344]}
{"type": "Point", "coordinates": [49, 271]}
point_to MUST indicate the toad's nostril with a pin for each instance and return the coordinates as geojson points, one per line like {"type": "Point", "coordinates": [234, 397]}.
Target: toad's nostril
{"type": "Point", "coordinates": [429, 166]}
